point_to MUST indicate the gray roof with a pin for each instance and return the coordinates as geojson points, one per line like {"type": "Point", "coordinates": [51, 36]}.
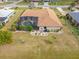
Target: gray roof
{"type": "Point", "coordinates": [75, 15]}
{"type": "Point", "coordinates": [5, 13]}
{"type": "Point", "coordinates": [2, 19]}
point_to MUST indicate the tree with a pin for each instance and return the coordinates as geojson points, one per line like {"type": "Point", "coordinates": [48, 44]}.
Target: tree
{"type": "Point", "coordinates": [1, 26]}
{"type": "Point", "coordinates": [31, 5]}
{"type": "Point", "coordinates": [77, 1]}
{"type": "Point", "coordinates": [5, 37]}
{"type": "Point", "coordinates": [13, 27]}
{"type": "Point", "coordinates": [41, 2]}
{"type": "Point", "coordinates": [27, 0]}
{"type": "Point", "coordinates": [73, 4]}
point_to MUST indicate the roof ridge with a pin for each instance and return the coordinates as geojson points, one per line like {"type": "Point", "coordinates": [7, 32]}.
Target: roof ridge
{"type": "Point", "coordinates": [50, 12]}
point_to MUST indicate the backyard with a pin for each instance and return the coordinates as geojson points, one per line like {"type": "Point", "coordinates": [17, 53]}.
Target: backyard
{"type": "Point", "coordinates": [53, 46]}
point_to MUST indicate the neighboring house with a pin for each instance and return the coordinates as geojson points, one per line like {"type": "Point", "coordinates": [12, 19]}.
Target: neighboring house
{"type": "Point", "coordinates": [73, 17]}
{"type": "Point", "coordinates": [45, 19]}
{"type": "Point", "coordinates": [4, 15]}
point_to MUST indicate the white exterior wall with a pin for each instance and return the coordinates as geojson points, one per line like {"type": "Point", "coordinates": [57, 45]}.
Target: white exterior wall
{"type": "Point", "coordinates": [51, 29]}
{"type": "Point", "coordinates": [41, 28]}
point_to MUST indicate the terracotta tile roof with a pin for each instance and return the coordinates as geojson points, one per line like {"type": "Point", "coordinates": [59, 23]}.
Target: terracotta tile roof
{"type": "Point", "coordinates": [46, 17]}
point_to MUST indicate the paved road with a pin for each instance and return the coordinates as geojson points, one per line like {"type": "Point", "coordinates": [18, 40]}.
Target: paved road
{"type": "Point", "coordinates": [65, 6]}
{"type": "Point", "coordinates": [14, 4]}
{"type": "Point", "coordinates": [36, 5]}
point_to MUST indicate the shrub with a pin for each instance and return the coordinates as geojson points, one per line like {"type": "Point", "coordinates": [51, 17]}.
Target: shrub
{"type": "Point", "coordinates": [5, 37]}
{"type": "Point", "coordinates": [40, 3]}
{"type": "Point", "coordinates": [13, 27]}
{"type": "Point", "coordinates": [50, 40]}
{"type": "Point", "coordinates": [21, 27]}
{"type": "Point", "coordinates": [29, 28]}
{"type": "Point", "coordinates": [75, 30]}
{"type": "Point", "coordinates": [1, 26]}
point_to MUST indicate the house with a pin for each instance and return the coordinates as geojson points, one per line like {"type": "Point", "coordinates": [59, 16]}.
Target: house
{"type": "Point", "coordinates": [4, 15]}
{"type": "Point", "coordinates": [45, 19]}
{"type": "Point", "coordinates": [73, 17]}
